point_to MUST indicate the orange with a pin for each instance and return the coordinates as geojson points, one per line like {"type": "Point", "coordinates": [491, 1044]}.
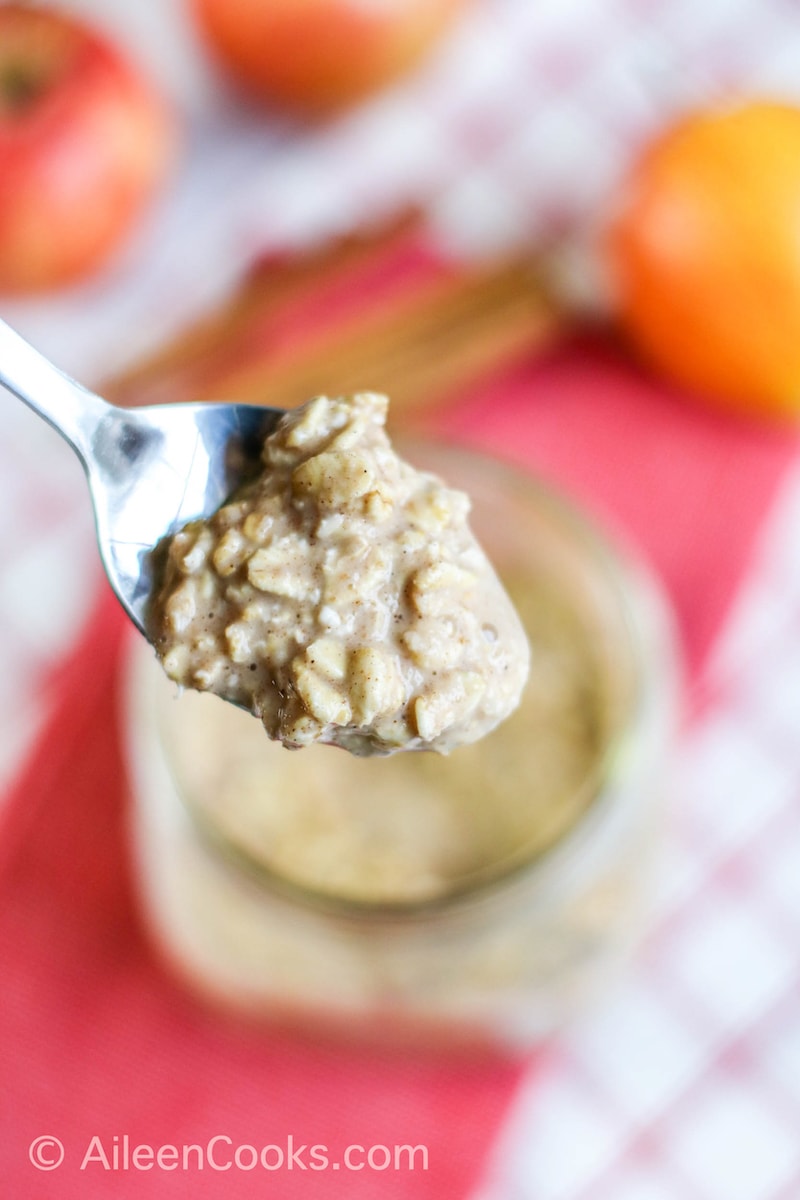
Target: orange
{"type": "Point", "coordinates": [705, 256]}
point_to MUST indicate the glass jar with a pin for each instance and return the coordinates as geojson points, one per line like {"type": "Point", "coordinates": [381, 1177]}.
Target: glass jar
{"type": "Point", "coordinates": [477, 897]}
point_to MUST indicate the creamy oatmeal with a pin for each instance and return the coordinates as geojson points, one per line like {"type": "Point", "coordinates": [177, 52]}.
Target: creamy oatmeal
{"type": "Point", "coordinates": [342, 597]}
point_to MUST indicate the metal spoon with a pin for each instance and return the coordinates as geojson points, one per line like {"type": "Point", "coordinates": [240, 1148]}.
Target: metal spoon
{"type": "Point", "coordinates": [150, 470]}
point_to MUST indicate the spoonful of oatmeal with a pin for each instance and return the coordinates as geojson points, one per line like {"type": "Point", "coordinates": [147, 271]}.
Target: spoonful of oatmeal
{"type": "Point", "coordinates": [293, 563]}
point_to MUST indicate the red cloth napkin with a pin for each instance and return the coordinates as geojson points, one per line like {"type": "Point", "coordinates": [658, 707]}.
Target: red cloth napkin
{"type": "Point", "coordinates": [97, 1043]}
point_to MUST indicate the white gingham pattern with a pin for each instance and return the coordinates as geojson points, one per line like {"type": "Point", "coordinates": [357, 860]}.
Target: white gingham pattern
{"type": "Point", "coordinates": [48, 570]}
{"type": "Point", "coordinates": [685, 1083]}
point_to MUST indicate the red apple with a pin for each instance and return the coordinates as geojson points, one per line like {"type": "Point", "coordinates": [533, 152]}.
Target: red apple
{"type": "Point", "coordinates": [319, 54]}
{"type": "Point", "coordinates": [84, 142]}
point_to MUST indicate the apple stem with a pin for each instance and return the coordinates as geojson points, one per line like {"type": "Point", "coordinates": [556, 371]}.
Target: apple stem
{"type": "Point", "coordinates": [18, 87]}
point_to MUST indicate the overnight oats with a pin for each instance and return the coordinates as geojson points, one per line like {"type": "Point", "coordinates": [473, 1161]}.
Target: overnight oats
{"type": "Point", "coordinates": [342, 597]}
{"type": "Point", "coordinates": [478, 895]}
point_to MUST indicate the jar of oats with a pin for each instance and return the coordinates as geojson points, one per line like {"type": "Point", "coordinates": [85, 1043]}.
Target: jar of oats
{"type": "Point", "coordinates": [480, 896]}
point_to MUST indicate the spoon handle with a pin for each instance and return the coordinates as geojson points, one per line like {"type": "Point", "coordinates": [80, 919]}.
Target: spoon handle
{"type": "Point", "coordinates": [69, 408]}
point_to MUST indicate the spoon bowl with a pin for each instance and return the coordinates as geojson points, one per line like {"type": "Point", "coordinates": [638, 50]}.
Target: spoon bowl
{"type": "Point", "coordinates": [150, 470]}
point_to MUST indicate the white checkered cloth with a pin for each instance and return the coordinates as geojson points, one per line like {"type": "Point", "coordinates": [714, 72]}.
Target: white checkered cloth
{"type": "Point", "coordinates": [685, 1084]}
